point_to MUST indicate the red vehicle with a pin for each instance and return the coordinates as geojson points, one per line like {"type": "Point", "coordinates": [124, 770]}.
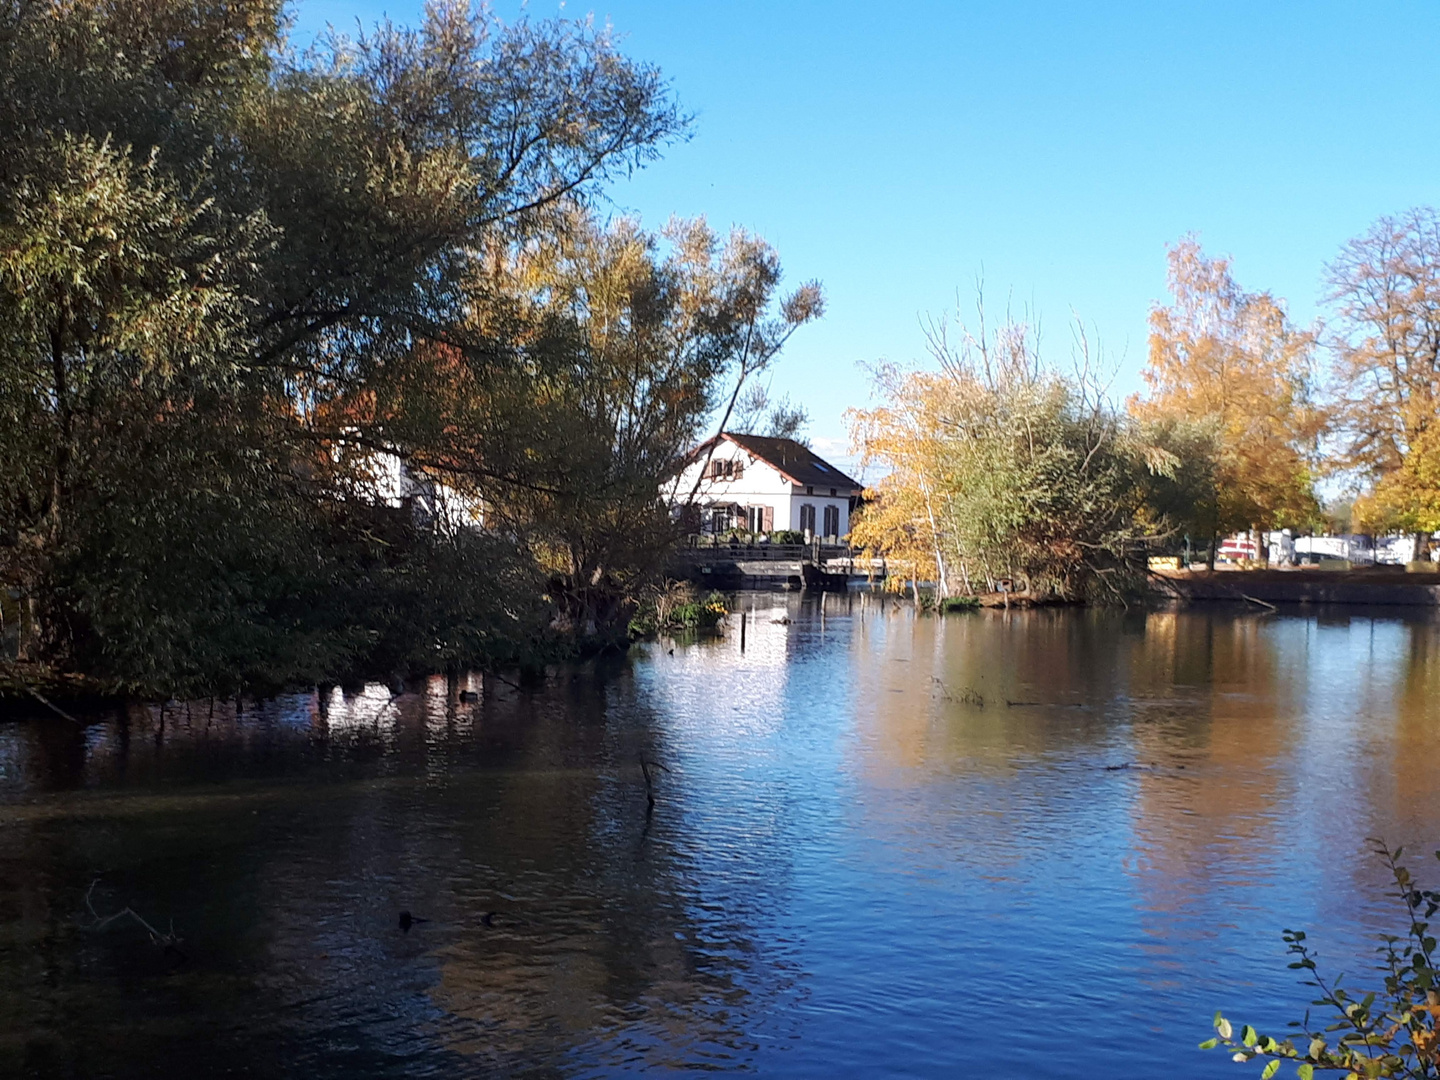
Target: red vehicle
{"type": "Point", "coordinates": [1237, 547]}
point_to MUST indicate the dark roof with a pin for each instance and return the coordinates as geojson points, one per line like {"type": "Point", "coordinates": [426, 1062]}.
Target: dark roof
{"type": "Point", "coordinates": [801, 464]}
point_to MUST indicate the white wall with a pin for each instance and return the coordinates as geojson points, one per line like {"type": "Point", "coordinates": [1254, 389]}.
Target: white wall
{"type": "Point", "coordinates": [385, 479]}
{"type": "Point", "coordinates": [760, 484]}
{"type": "Point", "coordinates": [757, 479]}
{"type": "Point", "coordinates": [799, 499]}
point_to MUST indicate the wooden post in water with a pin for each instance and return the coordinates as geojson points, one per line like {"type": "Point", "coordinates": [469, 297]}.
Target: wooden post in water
{"type": "Point", "coordinates": [742, 631]}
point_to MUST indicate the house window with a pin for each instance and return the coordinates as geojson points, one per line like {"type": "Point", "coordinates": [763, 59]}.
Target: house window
{"type": "Point", "coordinates": [724, 469]}
{"type": "Point", "coordinates": [809, 490]}
{"type": "Point", "coordinates": [807, 518]}
{"type": "Point", "coordinates": [761, 518]}
{"type": "Point", "coordinates": [724, 518]}
{"type": "Point", "coordinates": [832, 521]}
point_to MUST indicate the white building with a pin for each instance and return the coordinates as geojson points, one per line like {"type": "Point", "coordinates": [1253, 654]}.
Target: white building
{"type": "Point", "coordinates": [762, 485]}
{"type": "Point", "coordinates": [386, 479]}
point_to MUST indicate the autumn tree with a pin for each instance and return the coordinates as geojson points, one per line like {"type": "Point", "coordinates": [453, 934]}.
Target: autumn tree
{"type": "Point", "coordinates": [1233, 360]}
{"type": "Point", "coordinates": [632, 342]}
{"type": "Point", "coordinates": [906, 516]}
{"type": "Point", "coordinates": [211, 247]}
{"type": "Point", "coordinates": [998, 466]}
{"type": "Point", "coordinates": [1385, 286]}
{"type": "Point", "coordinates": [757, 413]}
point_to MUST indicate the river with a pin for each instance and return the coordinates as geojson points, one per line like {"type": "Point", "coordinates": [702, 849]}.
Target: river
{"type": "Point", "coordinates": [1042, 844]}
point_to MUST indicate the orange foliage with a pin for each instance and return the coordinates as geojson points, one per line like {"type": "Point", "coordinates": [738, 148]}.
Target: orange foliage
{"type": "Point", "coordinates": [1234, 359]}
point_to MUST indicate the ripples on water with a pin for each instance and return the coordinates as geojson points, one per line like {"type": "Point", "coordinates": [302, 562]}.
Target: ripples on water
{"type": "Point", "coordinates": [853, 868]}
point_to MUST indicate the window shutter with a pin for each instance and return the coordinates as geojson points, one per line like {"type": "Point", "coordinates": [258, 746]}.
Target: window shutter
{"type": "Point", "coordinates": [769, 522]}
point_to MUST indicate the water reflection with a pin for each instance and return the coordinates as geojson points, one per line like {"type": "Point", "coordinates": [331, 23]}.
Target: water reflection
{"type": "Point", "coordinates": [876, 836]}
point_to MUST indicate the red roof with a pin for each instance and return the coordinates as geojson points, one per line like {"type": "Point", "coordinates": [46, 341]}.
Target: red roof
{"type": "Point", "coordinates": [795, 461]}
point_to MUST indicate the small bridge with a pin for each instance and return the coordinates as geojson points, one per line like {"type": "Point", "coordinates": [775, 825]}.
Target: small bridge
{"type": "Point", "coordinates": [726, 565]}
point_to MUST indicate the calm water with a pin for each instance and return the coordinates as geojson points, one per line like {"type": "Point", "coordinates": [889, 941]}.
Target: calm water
{"type": "Point", "coordinates": [853, 868]}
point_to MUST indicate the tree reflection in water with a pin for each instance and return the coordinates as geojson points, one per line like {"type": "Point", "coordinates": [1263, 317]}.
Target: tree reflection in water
{"type": "Point", "coordinates": [849, 860]}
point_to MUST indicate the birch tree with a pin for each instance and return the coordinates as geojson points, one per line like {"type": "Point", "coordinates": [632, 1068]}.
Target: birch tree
{"type": "Point", "coordinates": [1232, 359]}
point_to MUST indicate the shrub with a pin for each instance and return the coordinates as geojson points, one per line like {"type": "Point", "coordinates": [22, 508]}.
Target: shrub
{"type": "Point", "coordinates": [674, 605]}
{"type": "Point", "coordinates": [1389, 1033]}
{"type": "Point", "coordinates": [952, 604]}
{"type": "Point", "coordinates": [698, 614]}
{"type": "Point", "coordinates": [787, 536]}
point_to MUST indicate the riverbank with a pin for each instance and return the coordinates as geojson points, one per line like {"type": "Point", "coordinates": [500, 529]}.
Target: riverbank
{"type": "Point", "coordinates": [30, 688]}
{"type": "Point", "coordinates": [39, 689]}
{"type": "Point", "coordinates": [1372, 585]}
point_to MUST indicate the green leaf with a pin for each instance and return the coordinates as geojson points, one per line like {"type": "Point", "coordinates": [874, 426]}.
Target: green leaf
{"type": "Point", "coordinates": [1209, 1044]}
{"type": "Point", "coordinates": [1270, 1070]}
{"type": "Point", "coordinates": [1306, 1072]}
{"type": "Point", "coordinates": [1248, 1035]}
{"type": "Point", "coordinates": [1223, 1027]}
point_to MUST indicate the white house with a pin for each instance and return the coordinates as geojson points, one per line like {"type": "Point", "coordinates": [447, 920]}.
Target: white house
{"type": "Point", "coordinates": [761, 484]}
{"type": "Point", "coordinates": [385, 478]}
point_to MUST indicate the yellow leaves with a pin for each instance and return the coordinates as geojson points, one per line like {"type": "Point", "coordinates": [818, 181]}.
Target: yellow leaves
{"type": "Point", "coordinates": [1426, 1042]}
{"type": "Point", "coordinates": [1232, 357]}
{"type": "Point", "coordinates": [899, 521]}
{"type": "Point", "coordinates": [1408, 496]}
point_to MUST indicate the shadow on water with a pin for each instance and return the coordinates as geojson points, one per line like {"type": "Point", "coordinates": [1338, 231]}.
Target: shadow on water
{"type": "Point", "coordinates": [874, 836]}
{"type": "Point", "coordinates": [283, 838]}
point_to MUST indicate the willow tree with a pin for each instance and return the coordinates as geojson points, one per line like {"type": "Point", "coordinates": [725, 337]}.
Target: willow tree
{"type": "Point", "coordinates": [1386, 337]}
{"type": "Point", "coordinates": [906, 516]}
{"type": "Point", "coordinates": [1233, 359]}
{"type": "Point", "coordinates": [1000, 467]}
{"type": "Point", "coordinates": [757, 413]}
{"type": "Point", "coordinates": [619, 345]}
{"type": "Point", "coordinates": [226, 244]}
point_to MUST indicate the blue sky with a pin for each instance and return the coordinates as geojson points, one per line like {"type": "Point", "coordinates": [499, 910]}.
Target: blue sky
{"type": "Point", "coordinates": [896, 151]}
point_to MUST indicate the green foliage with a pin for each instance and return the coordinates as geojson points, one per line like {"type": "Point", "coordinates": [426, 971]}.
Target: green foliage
{"type": "Point", "coordinates": [1003, 468]}
{"type": "Point", "coordinates": [675, 606]}
{"type": "Point", "coordinates": [628, 337]}
{"type": "Point", "coordinates": [952, 605]}
{"type": "Point", "coordinates": [1387, 1033]}
{"type": "Point", "coordinates": [704, 614]}
{"type": "Point", "coordinates": [756, 414]}
{"type": "Point", "coordinates": [787, 536]}
{"type": "Point", "coordinates": [237, 283]}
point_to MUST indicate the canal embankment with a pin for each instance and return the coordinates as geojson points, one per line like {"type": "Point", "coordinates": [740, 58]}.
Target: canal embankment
{"type": "Point", "coordinates": [1372, 585]}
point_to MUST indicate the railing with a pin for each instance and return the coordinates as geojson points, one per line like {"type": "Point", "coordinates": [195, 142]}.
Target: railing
{"type": "Point", "coordinates": [702, 547]}
{"type": "Point", "coordinates": [834, 558]}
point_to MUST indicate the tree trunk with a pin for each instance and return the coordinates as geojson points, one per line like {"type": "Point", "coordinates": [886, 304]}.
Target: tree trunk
{"type": "Point", "coordinates": [59, 481]}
